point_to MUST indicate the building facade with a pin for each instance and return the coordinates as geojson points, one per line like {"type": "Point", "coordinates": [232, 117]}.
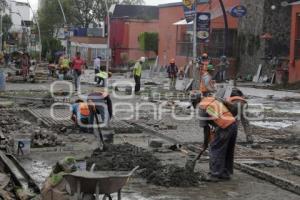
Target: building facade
{"type": "Point", "coordinates": [294, 68]}
{"type": "Point", "coordinates": [127, 23]}
{"type": "Point", "coordinates": [264, 33]}
{"type": "Point", "coordinates": [175, 35]}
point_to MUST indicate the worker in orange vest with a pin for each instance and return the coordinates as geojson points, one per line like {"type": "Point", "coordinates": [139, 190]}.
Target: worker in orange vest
{"type": "Point", "coordinates": [221, 148]}
{"type": "Point", "coordinates": [206, 83]}
{"type": "Point", "coordinates": [81, 115]}
{"type": "Point", "coordinates": [237, 105]}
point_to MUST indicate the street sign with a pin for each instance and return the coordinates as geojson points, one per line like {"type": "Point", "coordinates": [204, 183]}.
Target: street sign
{"type": "Point", "coordinates": [238, 11]}
{"type": "Point", "coordinates": [203, 26]}
{"type": "Point", "coordinates": [189, 9]}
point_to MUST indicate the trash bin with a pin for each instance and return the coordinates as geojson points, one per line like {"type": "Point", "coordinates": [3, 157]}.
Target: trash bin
{"type": "Point", "coordinates": [2, 81]}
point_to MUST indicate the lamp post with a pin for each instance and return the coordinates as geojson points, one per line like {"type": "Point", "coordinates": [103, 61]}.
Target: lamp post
{"type": "Point", "coordinates": [65, 24]}
{"type": "Point", "coordinates": [108, 41]}
{"type": "Point", "coordinates": [39, 30]}
{"type": "Point", "coordinates": [225, 49]}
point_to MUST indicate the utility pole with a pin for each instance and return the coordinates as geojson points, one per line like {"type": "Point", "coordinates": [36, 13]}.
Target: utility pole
{"type": "Point", "coordinates": [108, 41]}
{"type": "Point", "coordinates": [195, 67]}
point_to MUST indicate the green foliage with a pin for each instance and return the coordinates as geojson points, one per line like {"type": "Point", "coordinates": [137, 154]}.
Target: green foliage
{"type": "Point", "coordinates": [50, 46]}
{"type": "Point", "coordinates": [6, 25]}
{"type": "Point", "coordinates": [148, 41]}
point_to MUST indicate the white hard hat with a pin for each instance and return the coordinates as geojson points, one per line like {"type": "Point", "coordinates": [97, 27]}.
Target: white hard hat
{"type": "Point", "coordinates": [143, 59]}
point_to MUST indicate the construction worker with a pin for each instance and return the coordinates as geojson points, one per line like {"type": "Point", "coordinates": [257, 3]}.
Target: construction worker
{"type": "Point", "coordinates": [181, 73]}
{"type": "Point", "coordinates": [97, 65]}
{"type": "Point", "coordinates": [137, 73]}
{"type": "Point", "coordinates": [25, 65]}
{"type": "Point", "coordinates": [102, 76]}
{"type": "Point", "coordinates": [64, 66]}
{"type": "Point", "coordinates": [81, 115]}
{"type": "Point", "coordinates": [222, 144]}
{"type": "Point", "coordinates": [172, 71]}
{"type": "Point", "coordinates": [102, 105]}
{"type": "Point", "coordinates": [206, 83]}
{"type": "Point", "coordinates": [237, 104]}
{"type": "Point", "coordinates": [55, 185]}
{"type": "Point", "coordinates": [78, 67]}
{"type": "Point", "coordinates": [223, 66]}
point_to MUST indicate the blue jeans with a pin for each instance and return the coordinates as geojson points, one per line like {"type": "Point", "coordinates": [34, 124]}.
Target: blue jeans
{"type": "Point", "coordinates": [222, 151]}
{"type": "Point", "coordinates": [76, 79]}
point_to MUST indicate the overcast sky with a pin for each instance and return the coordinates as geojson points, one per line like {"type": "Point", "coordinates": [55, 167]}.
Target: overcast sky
{"type": "Point", "coordinates": [34, 3]}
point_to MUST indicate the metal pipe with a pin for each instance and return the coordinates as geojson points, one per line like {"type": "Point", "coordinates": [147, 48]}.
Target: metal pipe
{"type": "Point", "coordinates": [225, 49]}
{"type": "Point", "coordinates": [39, 30]}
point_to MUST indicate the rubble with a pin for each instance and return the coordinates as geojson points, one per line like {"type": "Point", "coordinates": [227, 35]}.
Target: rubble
{"type": "Point", "coordinates": [125, 157]}
{"type": "Point", "coordinates": [12, 125]}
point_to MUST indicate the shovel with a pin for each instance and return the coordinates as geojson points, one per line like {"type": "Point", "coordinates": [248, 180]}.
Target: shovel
{"type": "Point", "coordinates": [190, 164]}
{"type": "Point", "coordinates": [99, 134]}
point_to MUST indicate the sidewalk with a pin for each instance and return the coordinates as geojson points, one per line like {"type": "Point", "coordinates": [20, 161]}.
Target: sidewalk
{"type": "Point", "coordinates": [264, 93]}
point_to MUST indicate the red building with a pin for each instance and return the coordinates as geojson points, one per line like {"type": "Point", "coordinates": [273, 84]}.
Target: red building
{"type": "Point", "coordinates": [294, 68]}
{"type": "Point", "coordinates": [127, 23]}
{"type": "Point", "coordinates": [175, 36]}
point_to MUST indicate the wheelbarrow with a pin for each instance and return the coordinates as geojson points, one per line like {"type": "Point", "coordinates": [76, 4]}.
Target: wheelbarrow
{"type": "Point", "coordinates": [86, 183]}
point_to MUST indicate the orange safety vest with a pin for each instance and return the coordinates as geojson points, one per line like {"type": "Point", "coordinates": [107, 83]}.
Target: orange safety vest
{"type": "Point", "coordinates": [220, 114]}
{"type": "Point", "coordinates": [84, 109]}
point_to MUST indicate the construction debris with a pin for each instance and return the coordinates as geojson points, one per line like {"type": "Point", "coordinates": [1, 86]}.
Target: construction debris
{"type": "Point", "coordinates": [124, 157]}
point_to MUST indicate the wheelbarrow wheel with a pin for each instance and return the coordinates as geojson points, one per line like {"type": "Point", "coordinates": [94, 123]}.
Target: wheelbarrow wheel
{"type": "Point", "coordinates": [107, 196]}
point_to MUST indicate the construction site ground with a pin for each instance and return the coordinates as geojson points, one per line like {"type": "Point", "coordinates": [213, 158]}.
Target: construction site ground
{"type": "Point", "coordinates": [260, 167]}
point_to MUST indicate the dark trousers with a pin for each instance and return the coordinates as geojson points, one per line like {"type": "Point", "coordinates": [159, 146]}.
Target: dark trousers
{"type": "Point", "coordinates": [96, 72]}
{"type": "Point", "coordinates": [137, 80]}
{"type": "Point", "coordinates": [222, 152]}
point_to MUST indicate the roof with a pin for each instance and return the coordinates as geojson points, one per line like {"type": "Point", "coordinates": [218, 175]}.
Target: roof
{"type": "Point", "coordinates": [136, 12]}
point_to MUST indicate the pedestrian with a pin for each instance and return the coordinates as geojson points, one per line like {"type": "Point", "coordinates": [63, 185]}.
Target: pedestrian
{"type": "Point", "coordinates": [137, 73]}
{"type": "Point", "coordinates": [81, 115]}
{"type": "Point", "coordinates": [102, 104]}
{"type": "Point", "coordinates": [207, 87]}
{"type": "Point", "coordinates": [97, 65]}
{"type": "Point", "coordinates": [223, 66]}
{"type": "Point", "coordinates": [172, 71]}
{"type": "Point", "coordinates": [78, 67]}
{"type": "Point", "coordinates": [222, 142]}
{"type": "Point", "coordinates": [237, 104]}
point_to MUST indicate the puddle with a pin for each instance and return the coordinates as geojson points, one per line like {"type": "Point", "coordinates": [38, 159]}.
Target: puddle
{"type": "Point", "coordinates": [38, 170]}
{"type": "Point", "coordinates": [272, 124]}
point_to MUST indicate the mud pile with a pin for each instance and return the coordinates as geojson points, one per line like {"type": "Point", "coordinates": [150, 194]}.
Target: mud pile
{"type": "Point", "coordinates": [125, 157]}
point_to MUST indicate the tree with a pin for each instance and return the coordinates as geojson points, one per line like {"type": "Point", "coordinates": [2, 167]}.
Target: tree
{"type": "Point", "coordinates": [6, 25]}
{"type": "Point", "coordinates": [148, 41]}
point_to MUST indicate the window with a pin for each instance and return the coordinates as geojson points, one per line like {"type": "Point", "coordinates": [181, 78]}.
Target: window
{"type": "Point", "coordinates": [99, 52]}
{"type": "Point", "coordinates": [297, 41]}
{"type": "Point", "coordinates": [214, 48]}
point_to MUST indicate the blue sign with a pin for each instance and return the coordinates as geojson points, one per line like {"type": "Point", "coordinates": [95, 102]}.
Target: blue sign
{"type": "Point", "coordinates": [238, 11]}
{"type": "Point", "coordinates": [189, 10]}
{"type": "Point", "coordinates": [203, 26]}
